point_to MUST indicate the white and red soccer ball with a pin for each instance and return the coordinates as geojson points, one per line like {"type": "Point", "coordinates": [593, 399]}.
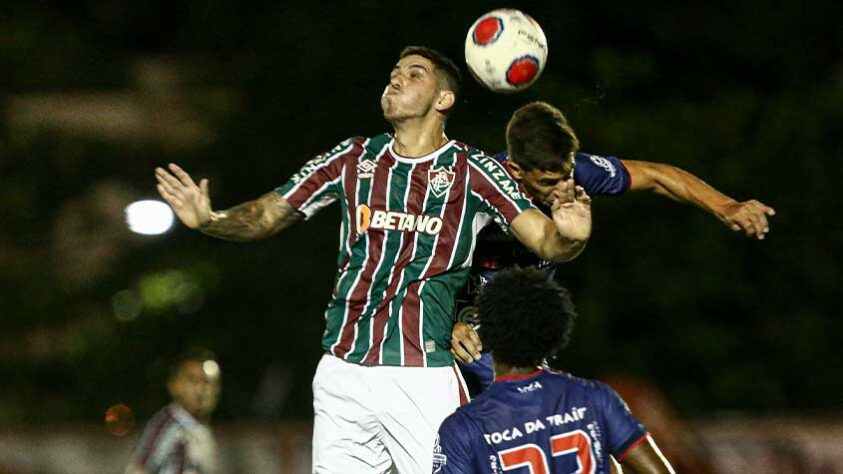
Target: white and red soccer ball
{"type": "Point", "coordinates": [505, 50]}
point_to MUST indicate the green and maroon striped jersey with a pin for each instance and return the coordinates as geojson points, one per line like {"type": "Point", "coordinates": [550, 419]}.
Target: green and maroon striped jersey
{"type": "Point", "coordinates": [409, 227]}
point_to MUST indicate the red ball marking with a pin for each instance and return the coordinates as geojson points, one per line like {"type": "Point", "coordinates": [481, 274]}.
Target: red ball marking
{"type": "Point", "coordinates": [487, 30]}
{"type": "Point", "coordinates": [522, 71]}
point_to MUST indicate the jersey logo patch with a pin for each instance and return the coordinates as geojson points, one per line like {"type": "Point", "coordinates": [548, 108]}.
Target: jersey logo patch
{"type": "Point", "coordinates": [440, 181]}
{"type": "Point", "coordinates": [368, 218]}
{"type": "Point", "coordinates": [366, 169]}
{"type": "Point", "coordinates": [605, 164]}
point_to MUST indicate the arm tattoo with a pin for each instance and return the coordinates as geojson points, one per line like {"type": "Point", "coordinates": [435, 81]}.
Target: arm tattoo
{"type": "Point", "coordinates": [252, 220]}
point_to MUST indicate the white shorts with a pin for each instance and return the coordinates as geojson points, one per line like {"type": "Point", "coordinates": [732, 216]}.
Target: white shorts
{"type": "Point", "coordinates": [382, 418]}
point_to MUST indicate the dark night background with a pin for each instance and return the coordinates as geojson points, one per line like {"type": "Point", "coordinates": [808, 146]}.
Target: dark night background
{"type": "Point", "coordinates": [746, 94]}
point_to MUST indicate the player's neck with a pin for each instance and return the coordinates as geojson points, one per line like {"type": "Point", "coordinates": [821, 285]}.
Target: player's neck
{"type": "Point", "coordinates": [505, 370]}
{"type": "Point", "coordinates": [414, 139]}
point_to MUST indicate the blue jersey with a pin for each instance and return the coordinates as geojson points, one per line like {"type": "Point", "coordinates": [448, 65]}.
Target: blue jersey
{"type": "Point", "coordinates": [542, 423]}
{"type": "Point", "coordinates": [598, 175]}
{"type": "Point", "coordinates": [496, 250]}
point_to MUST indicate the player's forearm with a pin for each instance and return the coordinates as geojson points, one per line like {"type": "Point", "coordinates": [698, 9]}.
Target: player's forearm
{"type": "Point", "coordinates": [252, 220]}
{"type": "Point", "coordinates": [562, 243]}
{"type": "Point", "coordinates": [679, 185]}
{"type": "Point", "coordinates": [560, 248]}
{"type": "Point", "coordinates": [559, 239]}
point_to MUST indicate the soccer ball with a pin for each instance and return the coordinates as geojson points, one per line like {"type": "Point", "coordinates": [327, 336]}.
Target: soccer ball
{"type": "Point", "coordinates": [505, 50]}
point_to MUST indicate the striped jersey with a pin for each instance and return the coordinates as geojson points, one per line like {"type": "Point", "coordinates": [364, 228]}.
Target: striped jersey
{"type": "Point", "coordinates": [408, 230]}
{"type": "Point", "coordinates": [173, 442]}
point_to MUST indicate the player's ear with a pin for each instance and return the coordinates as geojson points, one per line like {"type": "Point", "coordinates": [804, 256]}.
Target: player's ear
{"type": "Point", "coordinates": [446, 101]}
{"type": "Point", "coordinates": [172, 388]}
{"type": "Point", "coordinates": [515, 170]}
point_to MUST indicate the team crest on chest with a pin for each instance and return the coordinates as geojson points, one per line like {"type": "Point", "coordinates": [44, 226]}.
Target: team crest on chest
{"type": "Point", "coordinates": [440, 180]}
{"type": "Point", "coordinates": [366, 169]}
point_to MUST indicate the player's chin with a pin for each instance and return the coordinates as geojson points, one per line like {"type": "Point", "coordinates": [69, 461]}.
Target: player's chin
{"type": "Point", "coordinates": [390, 113]}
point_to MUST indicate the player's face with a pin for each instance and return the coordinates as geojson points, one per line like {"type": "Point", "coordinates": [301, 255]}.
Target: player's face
{"type": "Point", "coordinates": [412, 89]}
{"type": "Point", "coordinates": [539, 184]}
{"type": "Point", "coordinates": [196, 387]}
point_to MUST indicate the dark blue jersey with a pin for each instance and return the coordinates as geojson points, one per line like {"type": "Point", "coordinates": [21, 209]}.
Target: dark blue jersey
{"type": "Point", "coordinates": [596, 174]}
{"type": "Point", "coordinates": [542, 423]}
{"type": "Point", "coordinates": [496, 250]}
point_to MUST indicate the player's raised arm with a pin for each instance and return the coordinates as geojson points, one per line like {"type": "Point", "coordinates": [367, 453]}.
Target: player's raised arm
{"type": "Point", "coordinates": [564, 237]}
{"type": "Point", "coordinates": [679, 185]}
{"type": "Point", "coordinates": [252, 220]}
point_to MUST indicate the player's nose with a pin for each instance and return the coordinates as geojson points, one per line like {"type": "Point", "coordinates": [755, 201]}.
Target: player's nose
{"type": "Point", "coordinates": [396, 81]}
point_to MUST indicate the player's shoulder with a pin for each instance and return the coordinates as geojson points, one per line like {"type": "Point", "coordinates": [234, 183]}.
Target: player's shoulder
{"type": "Point", "coordinates": [610, 164]}
{"type": "Point", "coordinates": [376, 143]}
{"type": "Point", "coordinates": [588, 387]}
{"type": "Point", "coordinates": [349, 147]}
{"type": "Point", "coordinates": [161, 432]}
{"type": "Point", "coordinates": [162, 418]}
{"type": "Point", "coordinates": [461, 423]}
{"type": "Point", "coordinates": [472, 152]}
{"type": "Point", "coordinates": [359, 147]}
{"type": "Point", "coordinates": [501, 156]}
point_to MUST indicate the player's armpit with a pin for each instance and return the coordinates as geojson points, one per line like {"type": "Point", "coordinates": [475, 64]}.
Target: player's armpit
{"type": "Point", "coordinates": [252, 220]}
{"type": "Point", "coordinates": [645, 458]}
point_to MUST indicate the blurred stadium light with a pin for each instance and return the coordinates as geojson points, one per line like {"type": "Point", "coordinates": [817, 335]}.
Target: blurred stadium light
{"type": "Point", "coordinates": [149, 217]}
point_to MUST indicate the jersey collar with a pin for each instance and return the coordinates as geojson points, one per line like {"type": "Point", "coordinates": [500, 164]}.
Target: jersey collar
{"type": "Point", "coordinates": [505, 378]}
{"type": "Point", "coordinates": [420, 159]}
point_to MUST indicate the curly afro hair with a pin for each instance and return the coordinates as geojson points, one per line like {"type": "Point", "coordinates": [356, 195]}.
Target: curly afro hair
{"type": "Point", "coordinates": [524, 316]}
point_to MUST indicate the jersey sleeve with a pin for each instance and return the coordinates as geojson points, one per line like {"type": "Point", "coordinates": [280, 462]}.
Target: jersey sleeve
{"type": "Point", "coordinates": [600, 174]}
{"type": "Point", "coordinates": [497, 192]}
{"type": "Point", "coordinates": [452, 453]}
{"type": "Point", "coordinates": [623, 430]}
{"type": "Point", "coordinates": [158, 448]}
{"type": "Point", "coordinates": [479, 374]}
{"type": "Point", "coordinates": [319, 182]}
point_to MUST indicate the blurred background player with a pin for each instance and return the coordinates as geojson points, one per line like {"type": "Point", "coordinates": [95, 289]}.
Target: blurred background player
{"type": "Point", "coordinates": [548, 422]}
{"type": "Point", "coordinates": [178, 439]}
{"type": "Point", "coordinates": [543, 151]}
{"type": "Point", "coordinates": [411, 203]}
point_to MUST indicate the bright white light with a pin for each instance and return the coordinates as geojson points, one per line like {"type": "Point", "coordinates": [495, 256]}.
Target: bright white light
{"type": "Point", "coordinates": [211, 369]}
{"type": "Point", "coordinates": [149, 217]}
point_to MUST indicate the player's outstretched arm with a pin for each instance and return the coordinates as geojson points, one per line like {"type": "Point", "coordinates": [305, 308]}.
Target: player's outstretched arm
{"type": "Point", "coordinates": [252, 220]}
{"type": "Point", "coordinates": [564, 237]}
{"type": "Point", "coordinates": [677, 184]}
{"type": "Point", "coordinates": [646, 458]}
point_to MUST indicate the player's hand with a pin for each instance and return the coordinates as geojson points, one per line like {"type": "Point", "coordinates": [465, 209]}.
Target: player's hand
{"type": "Point", "coordinates": [749, 216]}
{"type": "Point", "coordinates": [190, 202]}
{"type": "Point", "coordinates": [571, 210]}
{"type": "Point", "coordinates": [465, 343]}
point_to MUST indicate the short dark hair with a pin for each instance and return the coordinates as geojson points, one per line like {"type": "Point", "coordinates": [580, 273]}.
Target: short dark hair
{"type": "Point", "coordinates": [446, 70]}
{"type": "Point", "coordinates": [191, 354]}
{"type": "Point", "coordinates": [524, 316]}
{"type": "Point", "coordinates": [538, 136]}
